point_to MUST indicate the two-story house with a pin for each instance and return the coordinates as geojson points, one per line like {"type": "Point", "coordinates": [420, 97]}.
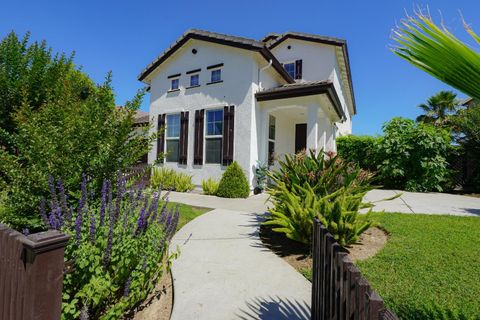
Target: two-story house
{"type": "Point", "coordinates": [222, 98]}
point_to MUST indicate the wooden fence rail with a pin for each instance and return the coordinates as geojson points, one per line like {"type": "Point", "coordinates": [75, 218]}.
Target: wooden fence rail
{"type": "Point", "coordinates": [31, 274]}
{"type": "Point", "coordinates": [338, 289]}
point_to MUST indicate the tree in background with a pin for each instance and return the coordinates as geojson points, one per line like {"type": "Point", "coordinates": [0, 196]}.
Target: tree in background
{"type": "Point", "coordinates": [439, 109]}
{"type": "Point", "coordinates": [437, 51]}
{"type": "Point", "coordinates": [54, 121]}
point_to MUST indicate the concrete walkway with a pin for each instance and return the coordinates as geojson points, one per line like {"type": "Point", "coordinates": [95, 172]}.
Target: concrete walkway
{"type": "Point", "coordinates": [426, 203]}
{"type": "Point", "coordinates": [224, 272]}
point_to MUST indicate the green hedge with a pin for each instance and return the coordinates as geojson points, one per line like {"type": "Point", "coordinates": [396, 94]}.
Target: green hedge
{"type": "Point", "coordinates": [359, 149]}
{"type": "Point", "coordinates": [409, 156]}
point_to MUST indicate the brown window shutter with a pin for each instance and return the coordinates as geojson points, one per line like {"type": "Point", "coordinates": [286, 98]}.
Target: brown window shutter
{"type": "Point", "coordinates": [160, 137]}
{"type": "Point", "coordinates": [198, 142]}
{"type": "Point", "coordinates": [183, 138]}
{"type": "Point", "coordinates": [228, 134]}
{"type": "Point", "coordinates": [298, 69]}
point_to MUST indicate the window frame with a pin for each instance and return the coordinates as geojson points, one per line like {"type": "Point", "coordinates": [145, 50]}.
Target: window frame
{"type": "Point", "coordinates": [197, 74]}
{"type": "Point", "coordinates": [219, 69]}
{"type": "Point", "coordinates": [206, 136]}
{"type": "Point", "coordinates": [271, 159]}
{"type": "Point", "coordinates": [294, 68]}
{"type": "Point", "coordinates": [171, 84]}
{"type": "Point", "coordinates": [167, 138]}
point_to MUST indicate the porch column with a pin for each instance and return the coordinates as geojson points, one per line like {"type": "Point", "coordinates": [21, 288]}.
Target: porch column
{"type": "Point", "coordinates": [312, 128]}
{"type": "Point", "coordinates": [323, 136]}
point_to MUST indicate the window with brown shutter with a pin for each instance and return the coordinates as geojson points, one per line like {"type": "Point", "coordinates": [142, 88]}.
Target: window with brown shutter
{"type": "Point", "coordinates": [228, 134]}
{"type": "Point", "coordinates": [160, 137]}
{"type": "Point", "coordinates": [182, 159]}
{"type": "Point", "coordinates": [298, 69]}
{"type": "Point", "coordinates": [198, 139]}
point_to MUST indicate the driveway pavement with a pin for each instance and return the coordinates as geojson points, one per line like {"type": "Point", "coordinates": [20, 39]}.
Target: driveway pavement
{"type": "Point", "coordinates": [426, 203]}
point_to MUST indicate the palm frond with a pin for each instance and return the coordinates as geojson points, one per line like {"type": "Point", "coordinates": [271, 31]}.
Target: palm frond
{"type": "Point", "coordinates": [437, 51]}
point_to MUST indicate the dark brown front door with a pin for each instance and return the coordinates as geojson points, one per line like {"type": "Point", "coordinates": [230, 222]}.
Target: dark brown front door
{"type": "Point", "coordinates": [300, 137]}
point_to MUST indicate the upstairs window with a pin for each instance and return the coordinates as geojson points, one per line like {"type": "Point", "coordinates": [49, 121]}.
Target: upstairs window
{"type": "Point", "coordinates": [294, 69]}
{"type": "Point", "coordinates": [216, 75]}
{"type": "Point", "coordinates": [194, 80]}
{"type": "Point", "coordinates": [290, 68]}
{"type": "Point", "coordinates": [174, 84]}
{"type": "Point", "coordinates": [214, 136]}
{"type": "Point", "coordinates": [172, 137]}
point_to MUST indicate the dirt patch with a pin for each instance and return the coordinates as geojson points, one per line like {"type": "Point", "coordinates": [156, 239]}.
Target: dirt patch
{"type": "Point", "coordinates": [159, 303]}
{"type": "Point", "coordinates": [298, 254]}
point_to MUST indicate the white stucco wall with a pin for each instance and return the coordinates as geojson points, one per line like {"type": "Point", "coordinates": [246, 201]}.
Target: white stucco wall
{"type": "Point", "coordinates": [319, 62]}
{"type": "Point", "coordinates": [236, 89]}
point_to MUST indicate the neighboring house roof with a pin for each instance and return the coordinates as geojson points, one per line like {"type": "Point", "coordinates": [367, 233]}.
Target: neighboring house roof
{"type": "Point", "coordinates": [238, 42]}
{"type": "Point", "coordinates": [342, 44]}
{"type": "Point", "coordinates": [141, 117]}
{"type": "Point", "coordinates": [270, 37]}
{"type": "Point", "coordinates": [301, 89]}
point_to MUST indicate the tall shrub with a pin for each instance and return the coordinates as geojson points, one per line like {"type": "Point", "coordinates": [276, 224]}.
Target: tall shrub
{"type": "Point", "coordinates": [56, 121]}
{"type": "Point", "coordinates": [233, 184]}
{"type": "Point", "coordinates": [117, 249]}
{"type": "Point", "coordinates": [361, 150]}
{"type": "Point", "coordinates": [413, 156]}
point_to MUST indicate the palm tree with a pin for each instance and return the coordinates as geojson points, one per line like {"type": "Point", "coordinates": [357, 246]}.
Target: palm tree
{"type": "Point", "coordinates": [439, 108]}
{"type": "Point", "coordinates": [437, 51]}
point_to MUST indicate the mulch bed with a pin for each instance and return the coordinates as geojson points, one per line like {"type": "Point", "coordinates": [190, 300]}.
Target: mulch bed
{"type": "Point", "coordinates": [298, 254]}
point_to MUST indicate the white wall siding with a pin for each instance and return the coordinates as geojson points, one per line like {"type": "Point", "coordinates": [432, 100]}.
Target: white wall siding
{"type": "Point", "coordinates": [236, 89]}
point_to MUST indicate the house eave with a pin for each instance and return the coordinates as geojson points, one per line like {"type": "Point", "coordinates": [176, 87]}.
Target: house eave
{"type": "Point", "coordinates": [302, 91]}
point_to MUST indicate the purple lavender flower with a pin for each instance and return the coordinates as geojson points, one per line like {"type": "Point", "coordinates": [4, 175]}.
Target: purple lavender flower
{"type": "Point", "coordinates": [126, 290]}
{"type": "Point", "coordinates": [108, 249]}
{"type": "Point", "coordinates": [163, 212]}
{"type": "Point", "coordinates": [92, 226]}
{"type": "Point", "coordinates": [78, 227]}
{"type": "Point", "coordinates": [103, 204]}
{"type": "Point", "coordinates": [83, 197]}
{"type": "Point", "coordinates": [141, 222]}
{"type": "Point", "coordinates": [53, 192]}
{"type": "Point", "coordinates": [161, 245]}
{"type": "Point", "coordinates": [153, 207]}
{"type": "Point", "coordinates": [43, 212]}
{"type": "Point", "coordinates": [63, 197]}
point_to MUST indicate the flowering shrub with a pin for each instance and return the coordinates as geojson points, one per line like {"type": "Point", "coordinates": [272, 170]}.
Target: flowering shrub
{"type": "Point", "coordinates": [116, 250]}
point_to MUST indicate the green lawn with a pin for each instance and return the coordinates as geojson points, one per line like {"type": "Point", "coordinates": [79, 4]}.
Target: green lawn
{"type": "Point", "coordinates": [430, 267]}
{"type": "Point", "coordinates": [188, 213]}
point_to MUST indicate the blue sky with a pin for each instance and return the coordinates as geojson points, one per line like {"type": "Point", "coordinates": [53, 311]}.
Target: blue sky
{"type": "Point", "coordinates": [124, 36]}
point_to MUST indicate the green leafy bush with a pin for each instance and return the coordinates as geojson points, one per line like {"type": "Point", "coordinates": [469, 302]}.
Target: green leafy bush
{"type": "Point", "coordinates": [359, 149]}
{"type": "Point", "coordinates": [169, 179]}
{"type": "Point", "coordinates": [413, 156]}
{"type": "Point", "coordinates": [117, 249]}
{"type": "Point", "coordinates": [305, 187]}
{"type": "Point", "coordinates": [210, 186]}
{"type": "Point", "coordinates": [55, 121]}
{"type": "Point", "coordinates": [233, 184]}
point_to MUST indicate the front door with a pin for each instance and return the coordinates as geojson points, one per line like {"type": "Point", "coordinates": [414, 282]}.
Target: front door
{"type": "Point", "coordinates": [300, 137]}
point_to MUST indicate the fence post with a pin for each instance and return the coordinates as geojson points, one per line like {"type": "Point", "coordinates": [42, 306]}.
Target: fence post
{"type": "Point", "coordinates": [31, 269]}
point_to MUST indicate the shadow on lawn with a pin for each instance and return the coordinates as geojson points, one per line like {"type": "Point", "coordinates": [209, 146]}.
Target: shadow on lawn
{"type": "Point", "coordinates": [432, 312]}
{"type": "Point", "coordinates": [274, 309]}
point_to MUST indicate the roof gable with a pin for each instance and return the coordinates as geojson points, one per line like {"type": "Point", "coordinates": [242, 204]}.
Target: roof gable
{"type": "Point", "coordinates": [340, 44]}
{"type": "Point", "coordinates": [238, 42]}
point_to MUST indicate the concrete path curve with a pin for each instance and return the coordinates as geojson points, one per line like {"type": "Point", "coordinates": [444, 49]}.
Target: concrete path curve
{"type": "Point", "coordinates": [224, 272]}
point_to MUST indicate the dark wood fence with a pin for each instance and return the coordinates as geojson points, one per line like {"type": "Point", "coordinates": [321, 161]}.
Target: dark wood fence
{"type": "Point", "coordinates": [139, 175]}
{"type": "Point", "coordinates": [338, 289]}
{"type": "Point", "coordinates": [31, 274]}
